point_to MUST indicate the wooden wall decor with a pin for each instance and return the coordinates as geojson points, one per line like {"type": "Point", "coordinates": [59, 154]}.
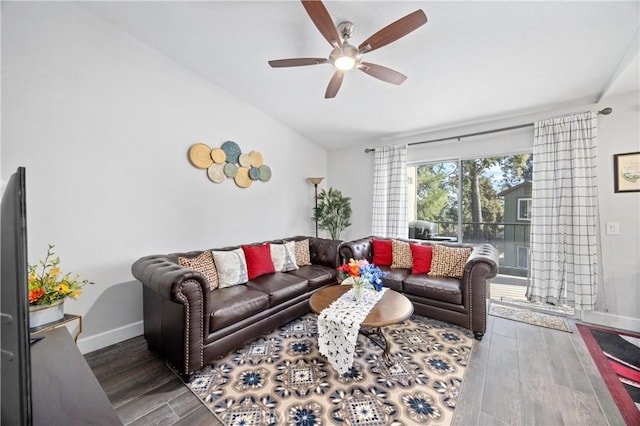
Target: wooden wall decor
{"type": "Point", "coordinates": [229, 161]}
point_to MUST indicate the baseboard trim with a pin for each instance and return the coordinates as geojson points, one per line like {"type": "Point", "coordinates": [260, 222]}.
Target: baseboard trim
{"type": "Point", "coordinates": [107, 338]}
{"type": "Point", "coordinates": [610, 320]}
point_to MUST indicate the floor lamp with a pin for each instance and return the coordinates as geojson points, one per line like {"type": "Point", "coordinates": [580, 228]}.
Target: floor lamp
{"type": "Point", "coordinates": [316, 181]}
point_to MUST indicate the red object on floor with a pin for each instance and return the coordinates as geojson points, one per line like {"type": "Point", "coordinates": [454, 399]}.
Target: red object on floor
{"type": "Point", "coordinates": [623, 400]}
{"type": "Point", "coordinates": [626, 372]}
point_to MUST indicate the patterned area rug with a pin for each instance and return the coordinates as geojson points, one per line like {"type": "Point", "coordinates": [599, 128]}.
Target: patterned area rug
{"type": "Point", "coordinates": [282, 379]}
{"type": "Point", "coordinates": [538, 306]}
{"type": "Point", "coordinates": [617, 356]}
{"type": "Point", "coordinates": [529, 317]}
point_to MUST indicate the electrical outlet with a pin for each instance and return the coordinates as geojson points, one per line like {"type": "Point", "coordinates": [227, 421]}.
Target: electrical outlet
{"type": "Point", "coordinates": [613, 228]}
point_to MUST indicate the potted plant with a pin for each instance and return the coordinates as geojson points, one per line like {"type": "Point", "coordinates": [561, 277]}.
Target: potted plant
{"type": "Point", "coordinates": [333, 213]}
{"type": "Point", "coordinates": [48, 289]}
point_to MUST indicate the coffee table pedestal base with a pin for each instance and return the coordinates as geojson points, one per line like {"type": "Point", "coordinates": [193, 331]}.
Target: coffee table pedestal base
{"type": "Point", "coordinates": [377, 336]}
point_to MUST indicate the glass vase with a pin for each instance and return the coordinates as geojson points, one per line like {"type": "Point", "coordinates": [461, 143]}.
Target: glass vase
{"type": "Point", "coordinates": [357, 292]}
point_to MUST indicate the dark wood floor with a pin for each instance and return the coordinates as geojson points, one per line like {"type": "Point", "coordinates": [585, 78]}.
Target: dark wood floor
{"type": "Point", "coordinates": [518, 375]}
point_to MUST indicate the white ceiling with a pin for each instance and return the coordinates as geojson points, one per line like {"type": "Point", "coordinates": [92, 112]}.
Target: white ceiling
{"type": "Point", "coordinates": [471, 62]}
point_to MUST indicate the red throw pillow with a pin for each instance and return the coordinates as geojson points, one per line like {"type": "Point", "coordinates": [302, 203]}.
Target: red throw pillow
{"type": "Point", "coordinates": [259, 260]}
{"type": "Point", "coordinates": [422, 256]}
{"type": "Point", "coordinates": [382, 253]}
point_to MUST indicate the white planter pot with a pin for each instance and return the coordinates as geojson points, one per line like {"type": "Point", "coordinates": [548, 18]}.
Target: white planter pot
{"type": "Point", "coordinates": [45, 314]}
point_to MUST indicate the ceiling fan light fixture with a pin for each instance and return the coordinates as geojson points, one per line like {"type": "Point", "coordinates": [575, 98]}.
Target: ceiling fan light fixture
{"type": "Point", "coordinates": [345, 58]}
{"type": "Point", "coordinates": [345, 63]}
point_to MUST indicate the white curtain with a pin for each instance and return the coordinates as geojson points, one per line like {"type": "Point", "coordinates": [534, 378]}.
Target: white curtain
{"type": "Point", "coordinates": [564, 261]}
{"type": "Point", "coordinates": [390, 192]}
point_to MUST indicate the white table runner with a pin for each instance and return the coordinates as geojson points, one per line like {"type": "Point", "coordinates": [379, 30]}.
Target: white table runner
{"type": "Point", "coordinates": [339, 324]}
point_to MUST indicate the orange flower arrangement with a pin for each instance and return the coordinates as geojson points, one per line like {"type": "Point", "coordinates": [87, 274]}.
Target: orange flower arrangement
{"type": "Point", "coordinates": [48, 286]}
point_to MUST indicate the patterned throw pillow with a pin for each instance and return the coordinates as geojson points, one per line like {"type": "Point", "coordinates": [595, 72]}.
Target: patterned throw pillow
{"type": "Point", "coordinates": [449, 261]}
{"type": "Point", "coordinates": [401, 252]}
{"type": "Point", "coordinates": [231, 266]}
{"type": "Point", "coordinates": [302, 253]}
{"type": "Point", "coordinates": [284, 256]}
{"type": "Point", "coordinates": [202, 263]}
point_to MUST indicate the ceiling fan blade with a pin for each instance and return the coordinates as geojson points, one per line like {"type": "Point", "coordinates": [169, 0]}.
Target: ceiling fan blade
{"type": "Point", "coordinates": [394, 31]}
{"type": "Point", "coordinates": [297, 62]}
{"type": "Point", "coordinates": [334, 85]}
{"type": "Point", "coordinates": [382, 73]}
{"type": "Point", "coordinates": [323, 21]}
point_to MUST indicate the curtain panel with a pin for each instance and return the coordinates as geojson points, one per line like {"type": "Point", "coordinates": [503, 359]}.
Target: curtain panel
{"type": "Point", "coordinates": [390, 192]}
{"type": "Point", "coordinates": [564, 243]}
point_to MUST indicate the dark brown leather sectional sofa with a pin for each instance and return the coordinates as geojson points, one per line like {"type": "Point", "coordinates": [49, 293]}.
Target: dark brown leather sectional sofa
{"type": "Point", "coordinates": [456, 301]}
{"type": "Point", "coordinates": [190, 325]}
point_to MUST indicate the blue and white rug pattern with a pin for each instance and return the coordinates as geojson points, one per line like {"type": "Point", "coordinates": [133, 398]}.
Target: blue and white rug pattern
{"type": "Point", "coordinates": [282, 379]}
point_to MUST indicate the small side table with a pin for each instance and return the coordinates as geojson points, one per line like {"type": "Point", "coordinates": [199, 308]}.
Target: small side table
{"type": "Point", "coordinates": [72, 322]}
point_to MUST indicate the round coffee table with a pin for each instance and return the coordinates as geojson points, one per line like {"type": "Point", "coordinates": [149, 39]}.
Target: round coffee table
{"type": "Point", "coordinates": [392, 308]}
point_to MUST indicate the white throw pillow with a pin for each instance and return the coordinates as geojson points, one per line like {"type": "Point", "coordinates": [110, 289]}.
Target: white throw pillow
{"type": "Point", "coordinates": [231, 266]}
{"type": "Point", "coordinates": [284, 256]}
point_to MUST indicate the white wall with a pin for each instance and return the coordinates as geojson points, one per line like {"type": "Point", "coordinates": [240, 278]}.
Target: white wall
{"type": "Point", "coordinates": [618, 302]}
{"type": "Point", "coordinates": [351, 170]}
{"type": "Point", "coordinates": [103, 125]}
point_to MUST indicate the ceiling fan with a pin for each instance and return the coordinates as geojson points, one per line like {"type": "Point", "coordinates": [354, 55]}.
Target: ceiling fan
{"type": "Point", "coordinates": [344, 55]}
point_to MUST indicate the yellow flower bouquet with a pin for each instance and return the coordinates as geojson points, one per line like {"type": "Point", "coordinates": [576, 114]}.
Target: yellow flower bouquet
{"type": "Point", "coordinates": [47, 285]}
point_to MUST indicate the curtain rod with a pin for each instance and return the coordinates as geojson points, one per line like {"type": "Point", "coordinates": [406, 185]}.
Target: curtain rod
{"type": "Point", "coordinates": [604, 111]}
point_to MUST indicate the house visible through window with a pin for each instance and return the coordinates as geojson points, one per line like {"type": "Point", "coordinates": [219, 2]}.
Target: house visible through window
{"type": "Point", "coordinates": [524, 209]}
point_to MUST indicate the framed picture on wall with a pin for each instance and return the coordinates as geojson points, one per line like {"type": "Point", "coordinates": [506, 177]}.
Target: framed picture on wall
{"type": "Point", "coordinates": [626, 169]}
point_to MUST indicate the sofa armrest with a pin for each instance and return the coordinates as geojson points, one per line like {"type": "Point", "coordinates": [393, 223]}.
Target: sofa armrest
{"type": "Point", "coordinates": [176, 310]}
{"type": "Point", "coordinates": [165, 277]}
{"type": "Point", "coordinates": [483, 253]}
{"type": "Point", "coordinates": [481, 266]}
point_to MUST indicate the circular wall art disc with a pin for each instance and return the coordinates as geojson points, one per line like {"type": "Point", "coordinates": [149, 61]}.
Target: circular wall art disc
{"type": "Point", "coordinates": [265, 173]}
{"type": "Point", "coordinates": [256, 159]}
{"type": "Point", "coordinates": [230, 169]}
{"type": "Point", "coordinates": [218, 155]}
{"type": "Point", "coordinates": [254, 173]}
{"type": "Point", "coordinates": [216, 173]}
{"type": "Point", "coordinates": [245, 160]}
{"type": "Point", "coordinates": [242, 179]}
{"type": "Point", "coordinates": [200, 155]}
{"type": "Point", "coordinates": [232, 150]}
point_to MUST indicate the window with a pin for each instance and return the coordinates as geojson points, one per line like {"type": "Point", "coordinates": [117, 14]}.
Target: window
{"type": "Point", "coordinates": [475, 200]}
{"type": "Point", "coordinates": [522, 257]}
{"type": "Point", "coordinates": [433, 201]}
{"type": "Point", "coordinates": [524, 208]}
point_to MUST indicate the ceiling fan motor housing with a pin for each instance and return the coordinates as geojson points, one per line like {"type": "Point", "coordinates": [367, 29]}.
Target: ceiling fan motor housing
{"type": "Point", "coordinates": [346, 29]}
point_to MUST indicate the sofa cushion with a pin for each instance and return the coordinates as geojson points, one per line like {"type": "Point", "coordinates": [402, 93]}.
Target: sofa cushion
{"type": "Point", "coordinates": [303, 257]}
{"type": "Point", "coordinates": [443, 289]}
{"type": "Point", "coordinates": [382, 252]}
{"type": "Point", "coordinates": [232, 304]}
{"type": "Point", "coordinates": [449, 261]}
{"type": "Point", "coordinates": [284, 256]}
{"type": "Point", "coordinates": [204, 264]}
{"type": "Point", "coordinates": [422, 256]}
{"type": "Point", "coordinates": [258, 260]}
{"type": "Point", "coordinates": [231, 266]}
{"type": "Point", "coordinates": [394, 278]}
{"type": "Point", "coordinates": [402, 257]}
{"type": "Point", "coordinates": [280, 287]}
{"type": "Point", "coordinates": [317, 275]}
